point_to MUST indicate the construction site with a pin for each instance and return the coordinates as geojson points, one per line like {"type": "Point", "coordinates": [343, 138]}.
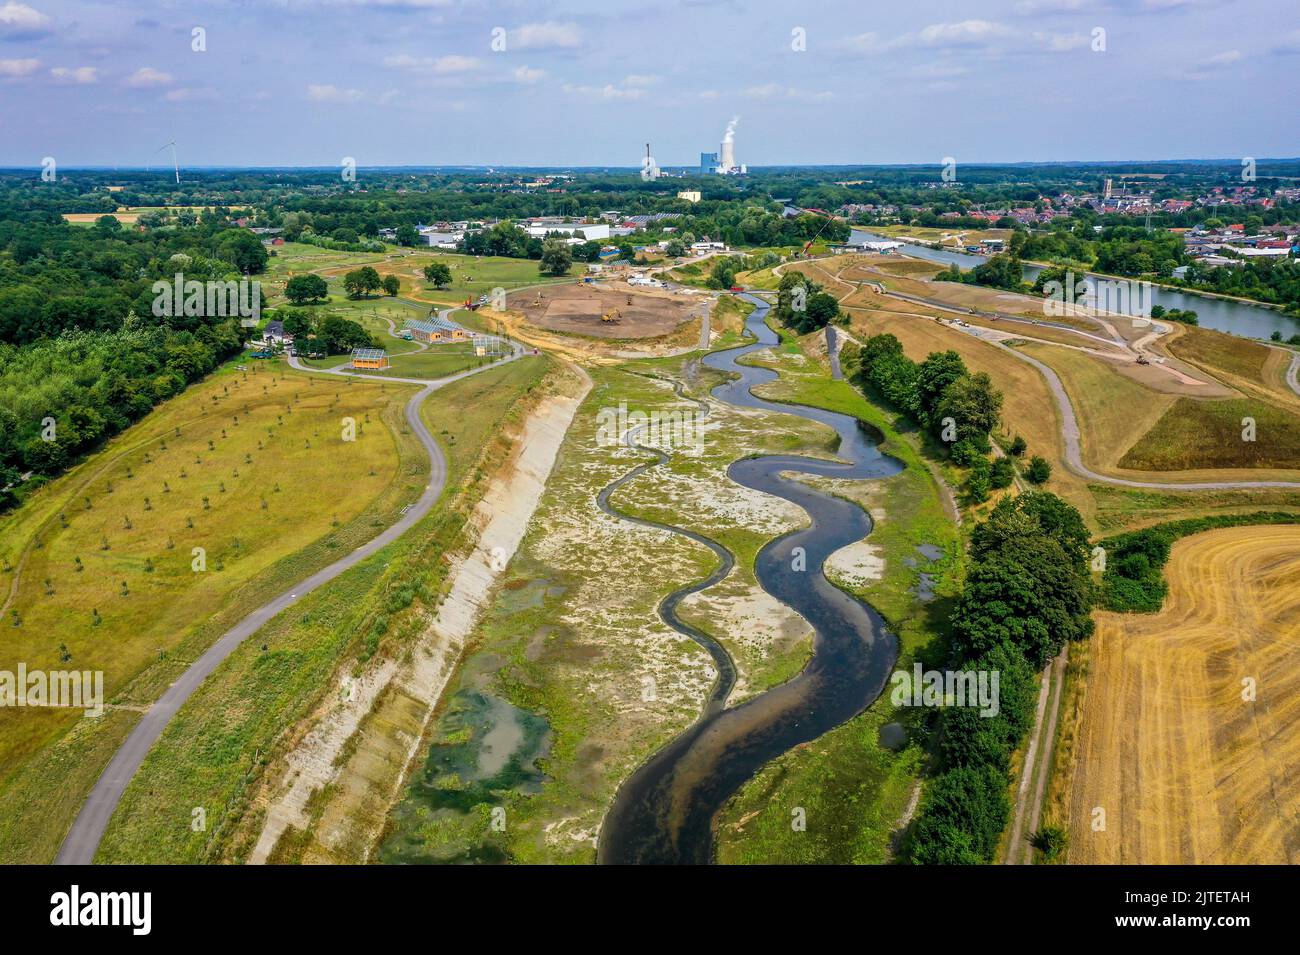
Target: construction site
{"type": "Point", "coordinates": [605, 310]}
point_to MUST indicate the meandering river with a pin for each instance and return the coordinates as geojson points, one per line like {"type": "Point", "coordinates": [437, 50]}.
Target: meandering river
{"type": "Point", "coordinates": [664, 811]}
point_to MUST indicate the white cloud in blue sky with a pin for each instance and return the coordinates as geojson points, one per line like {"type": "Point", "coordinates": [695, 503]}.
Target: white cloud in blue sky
{"type": "Point", "coordinates": [304, 82]}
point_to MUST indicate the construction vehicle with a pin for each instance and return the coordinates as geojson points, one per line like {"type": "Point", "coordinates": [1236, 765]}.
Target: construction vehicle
{"type": "Point", "coordinates": [471, 304]}
{"type": "Point", "coordinates": [537, 301]}
{"type": "Point", "coordinates": [611, 317]}
{"type": "Point", "coordinates": [1143, 360]}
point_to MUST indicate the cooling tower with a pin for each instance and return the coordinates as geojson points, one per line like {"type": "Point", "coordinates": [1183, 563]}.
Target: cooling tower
{"type": "Point", "coordinates": [727, 154]}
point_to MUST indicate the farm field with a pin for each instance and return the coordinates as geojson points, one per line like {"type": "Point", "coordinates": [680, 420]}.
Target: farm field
{"type": "Point", "coordinates": [223, 746]}
{"type": "Point", "coordinates": [141, 555]}
{"type": "Point", "coordinates": [1185, 768]}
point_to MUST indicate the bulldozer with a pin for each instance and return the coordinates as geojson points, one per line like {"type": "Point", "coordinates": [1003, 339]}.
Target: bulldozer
{"type": "Point", "coordinates": [611, 317]}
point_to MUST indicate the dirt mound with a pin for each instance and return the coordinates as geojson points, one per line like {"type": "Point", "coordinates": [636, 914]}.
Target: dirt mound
{"type": "Point", "coordinates": [577, 310]}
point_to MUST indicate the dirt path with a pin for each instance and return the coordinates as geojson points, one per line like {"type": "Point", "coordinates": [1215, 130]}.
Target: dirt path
{"type": "Point", "coordinates": [1027, 812]}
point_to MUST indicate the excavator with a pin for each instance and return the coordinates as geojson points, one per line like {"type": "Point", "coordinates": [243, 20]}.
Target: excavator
{"type": "Point", "coordinates": [537, 302]}
{"type": "Point", "coordinates": [611, 317]}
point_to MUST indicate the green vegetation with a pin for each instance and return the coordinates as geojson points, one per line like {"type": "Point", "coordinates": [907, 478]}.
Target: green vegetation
{"type": "Point", "coordinates": [852, 786]}
{"type": "Point", "coordinates": [214, 750]}
{"type": "Point", "coordinates": [104, 559]}
{"type": "Point", "coordinates": [1227, 433]}
{"type": "Point", "coordinates": [802, 305]}
{"type": "Point", "coordinates": [1027, 592]}
{"type": "Point", "coordinates": [1134, 581]}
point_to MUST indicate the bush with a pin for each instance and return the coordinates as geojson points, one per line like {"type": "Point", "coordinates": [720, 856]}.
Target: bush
{"type": "Point", "coordinates": [1019, 446]}
{"type": "Point", "coordinates": [1039, 470]}
{"type": "Point", "coordinates": [1002, 474]}
{"type": "Point", "coordinates": [1050, 841]}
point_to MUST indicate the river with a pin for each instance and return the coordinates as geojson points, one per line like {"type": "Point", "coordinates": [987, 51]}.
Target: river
{"type": "Point", "coordinates": [664, 812]}
{"type": "Point", "coordinates": [1225, 315]}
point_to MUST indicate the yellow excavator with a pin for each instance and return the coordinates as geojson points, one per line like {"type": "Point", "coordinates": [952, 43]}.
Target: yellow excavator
{"type": "Point", "coordinates": [611, 317]}
{"type": "Point", "coordinates": [538, 300]}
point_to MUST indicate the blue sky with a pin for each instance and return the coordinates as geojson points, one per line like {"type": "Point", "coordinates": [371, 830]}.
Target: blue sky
{"type": "Point", "coordinates": [421, 82]}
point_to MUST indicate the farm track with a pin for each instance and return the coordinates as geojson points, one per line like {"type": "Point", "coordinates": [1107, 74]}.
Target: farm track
{"type": "Point", "coordinates": [82, 841]}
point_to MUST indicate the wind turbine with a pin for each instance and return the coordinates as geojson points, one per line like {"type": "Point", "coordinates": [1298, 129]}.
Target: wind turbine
{"type": "Point", "coordinates": [175, 166]}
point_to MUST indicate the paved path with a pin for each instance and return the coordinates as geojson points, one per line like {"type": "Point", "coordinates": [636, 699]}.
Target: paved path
{"type": "Point", "coordinates": [88, 829]}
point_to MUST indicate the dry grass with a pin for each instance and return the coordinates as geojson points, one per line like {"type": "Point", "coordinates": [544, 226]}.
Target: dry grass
{"type": "Point", "coordinates": [1185, 770]}
{"type": "Point", "coordinates": [137, 609]}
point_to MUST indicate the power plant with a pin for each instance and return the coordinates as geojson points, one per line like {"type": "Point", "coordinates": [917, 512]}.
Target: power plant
{"type": "Point", "coordinates": [726, 154]}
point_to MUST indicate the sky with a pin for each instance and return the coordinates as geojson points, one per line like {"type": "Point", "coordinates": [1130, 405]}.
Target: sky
{"type": "Point", "coordinates": [481, 82]}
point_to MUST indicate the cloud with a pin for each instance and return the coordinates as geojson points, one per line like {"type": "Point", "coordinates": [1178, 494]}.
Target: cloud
{"type": "Point", "coordinates": [963, 33]}
{"type": "Point", "coordinates": [329, 93]}
{"type": "Point", "coordinates": [866, 43]}
{"type": "Point", "coordinates": [187, 94]}
{"type": "Point", "coordinates": [1063, 42]}
{"type": "Point", "coordinates": [13, 69]}
{"type": "Point", "coordinates": [544, 36]}
{"type": "Point", "coordinates": [608, 92]}
{"type": "Point", "coordinates": [439, 65]}
{"type": "Point", "coordinates": [1031, 7]}
{"type": "Point", "coordinates": [81, 75]}
{"type": "Point", "coordinates": [18, 20]}
{"type": "Point", "coordinates": [1290, 44]}
{"type": "Point", "coordinates": [1224, 58]}
{"type": "Point", "coordinates": [777, 91]}
{"type": "Point", "coordinates": [1211, 66]}
{"type": "Point", "coordinates": [641, 80]}
{"type": "Point", "coordinates": [527, 74]}
{"type": "Point", "coordinates": [148, 76]}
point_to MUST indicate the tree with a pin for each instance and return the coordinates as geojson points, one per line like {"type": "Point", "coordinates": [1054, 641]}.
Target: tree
{"type": "Point", "coordinates": [1002, 474]}
{"type": "Point", "coordinates": [973, 403]}
{"type": "Point", "coordinates": [1039, 470]}
{"type": "Point", "coordinates": [392, 285]}
{"type": "Point", "coordinates": [305, 288]}
{"type": "Point", "coordinates": [556, 258]}
{"type": "Point", "coordinates": [438, 273]}
{"type": "Point", "coordinates": [244, 250]}
{"type": "Point", "coordinates": [934, 376]}
{"type": "Point", "coordinates": [407, 235]}
{"type": "Point", "coordinates": [299, 324]}
{"type": "Point", "coordinates": [362, 281]}
{"type": "Point", "coordinates": [1019, 446]}
{"type": "Point", "coordinates": [341, 335]}
{"type": "Point", "coordinates": [979, 481]}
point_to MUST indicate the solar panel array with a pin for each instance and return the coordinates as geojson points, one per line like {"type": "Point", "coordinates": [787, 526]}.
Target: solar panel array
{"type": "Point", "coordinates": [368, 354]}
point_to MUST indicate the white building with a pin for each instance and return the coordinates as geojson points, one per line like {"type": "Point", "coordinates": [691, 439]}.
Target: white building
{"type": "Point", "coordinates": [591, 231]}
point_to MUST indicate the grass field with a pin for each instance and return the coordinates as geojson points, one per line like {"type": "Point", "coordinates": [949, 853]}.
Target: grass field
{"type": "Point", "coordinates": [1209, 434]}
{"type": "Point", "coordinates": [1185, 767]}
{"type": "Point", "coordinates": [213, 752]}
{"type": "Point", "coordinates": [105, 557]}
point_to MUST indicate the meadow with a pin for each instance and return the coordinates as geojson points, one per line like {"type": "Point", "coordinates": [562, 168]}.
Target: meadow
{"type": "Point", "coordinates": [218, 745]}
{"type": "Point", "coordinates": [133, 561]}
